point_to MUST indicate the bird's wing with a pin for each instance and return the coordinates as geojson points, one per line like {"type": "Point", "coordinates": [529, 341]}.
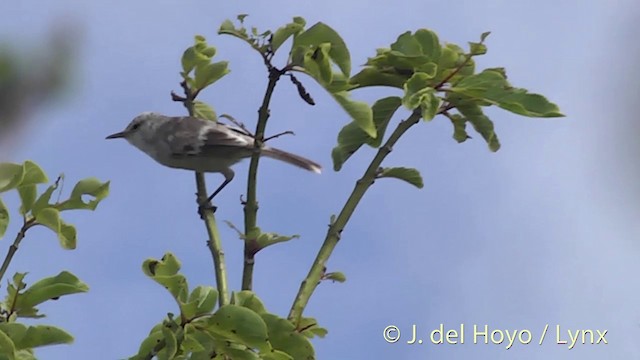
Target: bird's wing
{"type": "Point", "coordinates": [192, 136]}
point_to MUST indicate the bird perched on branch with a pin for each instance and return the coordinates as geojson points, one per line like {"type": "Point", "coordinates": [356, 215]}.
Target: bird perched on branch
{"type": "Point", "coordinates": [199, 145]}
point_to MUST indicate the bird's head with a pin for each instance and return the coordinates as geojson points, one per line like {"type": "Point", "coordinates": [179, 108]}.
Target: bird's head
{"type": "Point", "coordinates": [140, 130]}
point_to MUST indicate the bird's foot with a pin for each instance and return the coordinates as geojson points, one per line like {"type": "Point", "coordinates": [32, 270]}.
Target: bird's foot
{"type": "Point", "coordinates": [206, 206]}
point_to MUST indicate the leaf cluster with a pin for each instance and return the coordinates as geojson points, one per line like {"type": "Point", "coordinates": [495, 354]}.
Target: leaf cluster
{"type": "Point", "coordinates": [17, 340]}
{"type": "Point", "coordinates": [243, 329]}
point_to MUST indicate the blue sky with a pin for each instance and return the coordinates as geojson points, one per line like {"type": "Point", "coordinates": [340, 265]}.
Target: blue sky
{"type": "Point", "coordinates": [542, 232]}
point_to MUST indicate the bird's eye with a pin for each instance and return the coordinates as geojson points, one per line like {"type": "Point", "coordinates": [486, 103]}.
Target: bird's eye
{"type": "Point", "coordinates": [135, 126]}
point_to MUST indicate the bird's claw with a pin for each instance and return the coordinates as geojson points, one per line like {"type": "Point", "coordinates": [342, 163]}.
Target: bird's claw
{"type": "Point", "coordinates": [206, 206]}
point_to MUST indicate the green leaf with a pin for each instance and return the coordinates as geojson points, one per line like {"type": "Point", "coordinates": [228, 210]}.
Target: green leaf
{"type": "Point", "coordinates": [87, 187]}
{"type": "Point", "coordinates": [227, 28]}
{"type": "Point", "coordinates": [192, 58]}
{"type": "Point", "coordinates": [416, 89]}
{"type": "Point", "coordinates": [321, 33]}
{"type": "Point", "coordinates": [309, 327]}
{"type": "Point", "coordinates": [239, 324]}
{"type": "Point", "coordinates": [477, 48]}
{"type": "Point", "coordinates": [202, 300]}
{"type": "Point", "coordinates": [317, 63]}
{"type": "Point", "coordinates": [33, 174]}
{"type": "Point", "coordinates": [418, 93]}
{"type": "Point", "coordinates": [454, 64]}
{"type": "Point", "coordinates": [4, 218]}
{"type": "Point", "coordinates": [28, 194]}
{"type": "Point", "coordinates": [371, 76]}
{"type": "Point", "coordinates": [149, 342]}
{"type": "Point", "coordinates": [202, 110]}
{"type": "Point", "coordinates": [407, 44]}
{"type": "Point", "coordinates": [49, 288]}
{"type": "Point", "coordinates": [268, 239]}
{"type": "Point", "coordinates": [276, 355]}
{"type": "Point", "coordinates": [14, 288]}
{"type": "Point", "coordinates": [50, 218]}
{"type": "Point", "coordinates": [491, 86]}
{"type": "Point", "coordinates": [283, 33]}
{"type": "Point", "coordinates": [359, 111]}
{"type": "Point", "coordinates": [7, 348]}
{"type": "Point", "coordinates": [11, 176]}
{"type": "Point", "coordinates": [335, 276]}
{"type": "Point", "coordinates": [284, 337]}
{"type": "Point", "coordinates": [207, 74]}
{"type": "Point", "coordinates": [481, 123]}
{"type": "Point", "coordinates": [410, 175]}
{"type": "Point", "coordinates": [170, 348]}
{"type": "Point", "coordinates": [197, 340]}
{"type": "Point", "coordinates": [241, 17]}
{"type": "Point", "coordinates": [35, 336]}
{"type": "Point", "coordinates": [43, 200]}
{"type": "Point", "coordinates": [429, 43]}
{"type": "Point", "coordinates": [250, 300]}
{"type": "Point", "coordinates": [352, 137]}
{"type": "Point", "coordinates": [459, 127]}
{"type": "Point", "coordinates": [165, 273]}
{"type": "Point", "coordinates": [236, 352]}
{"type": "Point", "coordinates": [26, 354]}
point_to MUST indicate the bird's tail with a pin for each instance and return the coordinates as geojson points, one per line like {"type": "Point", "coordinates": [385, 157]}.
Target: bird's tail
{"type": "Point", "coordinates": [292, 159]}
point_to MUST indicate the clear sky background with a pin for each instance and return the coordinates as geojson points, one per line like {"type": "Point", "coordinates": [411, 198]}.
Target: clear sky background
{"type": "Point", "coordinates": [543, 232]}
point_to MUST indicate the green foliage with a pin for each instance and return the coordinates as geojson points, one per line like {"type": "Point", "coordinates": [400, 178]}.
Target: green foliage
{"type": "Point", "coordinates": [39, 210]}
{"type": "Point", "coordinates": [199, 72]}
{"type": "Point", "coordinates": [441, 79]}
{"type": "Point", "coordinates": [430, 78]}
{"type": "Point", "coordinates": [436, 79]}
{"type": "Point", "coordinates": [410, 175]}
{"type": "Point", "coordinates": [262, 239]}
{"type": "Point", "coordinates": [203, 111]}
{"type": "Point", "coordinates": [352, 137]}
{"type": "Point", "coordinates": [241, 330]}
{"type": "Point", "coordinates": [18, 340]}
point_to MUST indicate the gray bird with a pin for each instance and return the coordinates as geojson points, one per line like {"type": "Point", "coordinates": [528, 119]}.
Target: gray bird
{"type": "Point", "coordinates": [199, 145]}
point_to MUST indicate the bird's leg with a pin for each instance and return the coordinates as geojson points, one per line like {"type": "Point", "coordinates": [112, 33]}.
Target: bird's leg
{"type": "Point", "coordinates": [206, 205]}
{"type": "Point", "coordinates": [228, 176]}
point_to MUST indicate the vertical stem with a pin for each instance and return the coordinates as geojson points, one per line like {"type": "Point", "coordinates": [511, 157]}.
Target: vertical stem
{"type": "Point", "coordinates": [335, 229]}
{"type": "Point", "coordinates": [251, 205]}
{"type": "Point", "coordinates": [214, 243]}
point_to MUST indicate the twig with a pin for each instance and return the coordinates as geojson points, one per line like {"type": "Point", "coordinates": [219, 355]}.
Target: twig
{"type": "Point", "coordinates": [14, 247]}
{"type": "Point", "coordinates": [288, 132]}
{"type": "Point", "coordinates": [237, 123]}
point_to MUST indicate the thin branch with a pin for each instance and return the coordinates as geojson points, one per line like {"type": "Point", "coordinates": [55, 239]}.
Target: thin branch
{"type": "Point", "coordinates": [237, 123]}
{"type": "Point", "coordinates": [288, 132]}
{"type": "Point", "coordinates": [14, 247]}
{"type": "Point", "coordinates": [335, 229]}
{"type": "Point", "coordinates": [251, 204]}
{"type": "Point", "coordinates": [214, 242]}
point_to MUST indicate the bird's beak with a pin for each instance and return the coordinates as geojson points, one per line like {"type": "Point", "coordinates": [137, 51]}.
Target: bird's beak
{"type": "Point", "coordinates": [117, 135]}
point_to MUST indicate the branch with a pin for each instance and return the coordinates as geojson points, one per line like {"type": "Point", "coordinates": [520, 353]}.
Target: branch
{"type": "Point", "coordinates": [207, 213]}
{"type": "Point", "coordinates": [335, 229]}
{"type": "Point", "coordinates": [251, 205]}
{"type": "Point", "coordinates": [14, 247]}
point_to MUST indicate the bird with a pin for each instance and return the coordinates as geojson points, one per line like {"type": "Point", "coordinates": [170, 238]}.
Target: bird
{"type": "Point", "coordinates": [191, 143]}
